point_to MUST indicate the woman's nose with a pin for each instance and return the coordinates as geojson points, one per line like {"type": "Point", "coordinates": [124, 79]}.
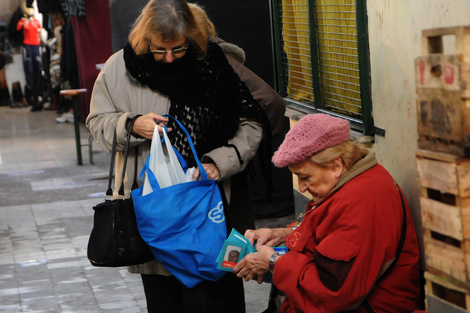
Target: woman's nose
{"type": "Point", "coordinates": [302, 186]}
{"type": "Point", "coordinates": [169, 57]}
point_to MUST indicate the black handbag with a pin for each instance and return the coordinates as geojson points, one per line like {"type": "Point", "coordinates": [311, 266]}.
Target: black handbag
{"type": "Point", "coordinates": [115, 240]}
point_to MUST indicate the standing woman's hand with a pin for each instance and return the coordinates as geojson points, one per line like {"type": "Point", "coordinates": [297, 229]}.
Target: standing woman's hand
{"type": "Point", "coordinates": [211, 169]}
{"type": "Point", "coordinates": [144, 125]}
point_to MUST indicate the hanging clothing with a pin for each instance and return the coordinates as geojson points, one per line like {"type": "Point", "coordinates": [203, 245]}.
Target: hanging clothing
{"type": "Point", "coordinates": [48, 6]}
{"type": "Point", "coordinates": [74, 7]}
{"type": "Point", "coordinates": [31, 51]}
{"type": "Point", "coordinates": [30, 29]}
{"type": "Point", "coordinates": [15, 36]}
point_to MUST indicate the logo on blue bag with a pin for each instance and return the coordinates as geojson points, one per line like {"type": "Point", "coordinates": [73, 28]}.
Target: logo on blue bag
{"type": "Point", "coordinates": [217, 214]}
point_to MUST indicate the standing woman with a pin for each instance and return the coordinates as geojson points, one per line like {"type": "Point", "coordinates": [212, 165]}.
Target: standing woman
{"type": "Point", "coordinates": [170, 67]}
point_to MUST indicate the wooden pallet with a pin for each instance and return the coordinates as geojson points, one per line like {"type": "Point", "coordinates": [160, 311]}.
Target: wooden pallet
{"type": "Point", "coordinates": [446, 293]}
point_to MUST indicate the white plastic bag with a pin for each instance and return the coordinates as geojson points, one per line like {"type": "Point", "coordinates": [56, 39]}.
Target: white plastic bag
{"type": "Point", "coordinates": [164, 163]}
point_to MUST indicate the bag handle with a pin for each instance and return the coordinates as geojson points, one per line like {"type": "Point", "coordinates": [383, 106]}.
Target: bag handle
{"type": "Point", "coordinates": [151, 176]}
{"type": "Point", "coordinates": [109, 192]}
{"type": "Point", "coordinates": [201, 168]}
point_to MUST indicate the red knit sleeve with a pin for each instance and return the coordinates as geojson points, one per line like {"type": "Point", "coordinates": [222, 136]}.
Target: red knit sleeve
{"type": "Point", "coordinates": [20, 24]}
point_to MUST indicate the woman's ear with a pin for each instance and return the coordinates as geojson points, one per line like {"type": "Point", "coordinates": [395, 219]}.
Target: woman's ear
{"type": "Point", "coordinates": [338, 167]}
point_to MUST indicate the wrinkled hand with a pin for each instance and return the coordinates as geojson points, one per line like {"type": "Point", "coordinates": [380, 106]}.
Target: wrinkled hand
{"type": "Point", "coordinates": [254, 264]}
{"type": "Point", "coordinates": [211, 169]}
{"type": "Point", "coordinates": [267, 236]}
{"type": "Point", "coordinates": [144, 125]}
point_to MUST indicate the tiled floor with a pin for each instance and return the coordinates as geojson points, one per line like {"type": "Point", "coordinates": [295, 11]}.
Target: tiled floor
{"type": "Point", "coordinates": [46, 216]}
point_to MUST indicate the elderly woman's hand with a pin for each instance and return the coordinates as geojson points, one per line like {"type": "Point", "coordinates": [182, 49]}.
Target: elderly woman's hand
{"type": "Point", "coordinates": [145, 125]}
{"type": "Point", "coordinates": [254, 264]}
{"type": "Point", "coordinates": [267, 236]}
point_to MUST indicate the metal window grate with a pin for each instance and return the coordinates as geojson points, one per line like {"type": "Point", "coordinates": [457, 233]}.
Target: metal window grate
{"type": "Point", "coordinates": [338, 56]}
{"type": "Point", "coordinates": [328, 31]}
{"type": "Point", "coordinates": [296, 60]}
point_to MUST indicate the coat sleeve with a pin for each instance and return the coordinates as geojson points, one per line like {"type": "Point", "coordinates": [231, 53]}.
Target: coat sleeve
{"type": "Point", "coordinates": [242, 148]}
{"type": "Point", "coordinates": [108, 108]}
{"type": "Point", "coordinates": [315, 285]}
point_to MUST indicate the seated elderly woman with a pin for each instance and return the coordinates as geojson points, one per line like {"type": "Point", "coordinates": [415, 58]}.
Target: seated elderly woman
{"type": "Point", "coordinates": [355, 247]}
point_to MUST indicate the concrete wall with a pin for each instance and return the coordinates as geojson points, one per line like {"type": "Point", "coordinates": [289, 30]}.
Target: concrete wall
{"type": "Point", "coordinates": [7, 7]}
{"type": "Point", "coordinates": [395, 41]}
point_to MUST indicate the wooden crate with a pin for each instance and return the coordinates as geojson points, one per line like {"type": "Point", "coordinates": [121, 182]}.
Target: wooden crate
{"type": "Point", "coordinates": [443, 71]}
{"type": "Point", "coordinates": [447, 293]}
{"type": "Point", "coordinates": [438, 305]}
{"type": "Point", "coordinates": [443, 88]}
{"type": "Point", "coordinates": [445, 172]}
{"type": "Point", "coordinates": [432, 40]}
{"type": "Point", "coordinates": [445, 212]}
{"type": "Point", "coordinates": [443, 121]}
{"type": "Point", "coordinates": [444, 255]}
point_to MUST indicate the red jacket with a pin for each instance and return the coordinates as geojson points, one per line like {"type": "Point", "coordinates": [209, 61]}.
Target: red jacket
{"type": "Point", "coordinates": [338, 251]}
{"type": "Point", "coordinates": [30, 30]}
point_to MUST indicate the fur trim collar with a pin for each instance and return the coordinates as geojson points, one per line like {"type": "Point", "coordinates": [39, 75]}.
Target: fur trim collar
{"type": "Point", "coordinates": [234, 50]}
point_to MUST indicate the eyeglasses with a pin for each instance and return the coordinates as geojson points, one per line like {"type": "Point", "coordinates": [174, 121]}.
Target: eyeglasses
{"type": "Point", "coordinates": [173, 52]}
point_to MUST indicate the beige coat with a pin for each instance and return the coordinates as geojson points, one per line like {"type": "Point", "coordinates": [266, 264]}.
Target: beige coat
{"type": "Point", "coordinates": [117, 97]}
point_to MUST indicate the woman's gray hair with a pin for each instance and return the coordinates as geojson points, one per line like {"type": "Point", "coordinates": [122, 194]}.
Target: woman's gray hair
{"type": "Point", "coordinates": [350, 153]}
{"type": "Point", "coordinates": [170, 20]}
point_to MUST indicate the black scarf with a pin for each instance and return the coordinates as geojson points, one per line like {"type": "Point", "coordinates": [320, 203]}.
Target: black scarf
{"type": "Point", "coordinates": [207, 97]}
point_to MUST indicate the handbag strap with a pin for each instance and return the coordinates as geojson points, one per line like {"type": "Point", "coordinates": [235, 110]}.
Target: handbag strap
{"type": "Point", "coordinates": [109, 191]}
{"type": "Point", "coordinates": [402, 236]}
{"type": "Point", "coordinates": [399, 249]}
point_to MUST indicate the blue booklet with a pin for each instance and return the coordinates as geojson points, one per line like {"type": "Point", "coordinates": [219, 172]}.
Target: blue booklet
{"type": "Point", "coordinates": [235, 248]}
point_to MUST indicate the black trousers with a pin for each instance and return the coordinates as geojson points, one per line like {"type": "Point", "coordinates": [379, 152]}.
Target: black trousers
{"type": "Point", "coordinates": [32, 68]}
{"type": "Point", "coordinates": [165, 294]}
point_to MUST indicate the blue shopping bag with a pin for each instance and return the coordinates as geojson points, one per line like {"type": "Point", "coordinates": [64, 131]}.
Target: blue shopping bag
{"type": "Point", "coordinates": [183, 224]}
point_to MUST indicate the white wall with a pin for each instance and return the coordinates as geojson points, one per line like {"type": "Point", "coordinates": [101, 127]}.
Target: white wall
{"type": "Point", "coordinates": [395, 41]}
{"type": "Point", "coordinates": [14, 72]}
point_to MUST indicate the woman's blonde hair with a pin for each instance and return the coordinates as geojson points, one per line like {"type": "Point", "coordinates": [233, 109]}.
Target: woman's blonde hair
{"type": "Point", "coordinates": [168, 19]}
{"type": "Point", "coordinates": [349, 152]}
{"type": "Point", "coordinates": [202, 20]}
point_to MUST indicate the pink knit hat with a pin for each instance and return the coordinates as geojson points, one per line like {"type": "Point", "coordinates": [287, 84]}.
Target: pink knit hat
{"type": "Point", "coordinates": [311, 134]}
